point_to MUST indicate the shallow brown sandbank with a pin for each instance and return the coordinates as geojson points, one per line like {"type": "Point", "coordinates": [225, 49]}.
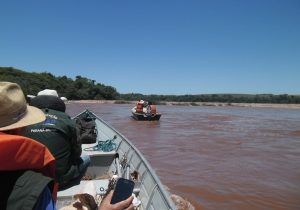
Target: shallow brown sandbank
{"type": "Point", "coordinates": [173, 103]}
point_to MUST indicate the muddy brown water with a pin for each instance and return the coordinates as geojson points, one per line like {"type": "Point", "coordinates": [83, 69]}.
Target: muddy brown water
{"type": "Point", "coordinates": [218, 157]}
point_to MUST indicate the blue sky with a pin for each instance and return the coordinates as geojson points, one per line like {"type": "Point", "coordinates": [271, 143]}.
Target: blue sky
{"type": "Point", "coordinates": [158, 46]}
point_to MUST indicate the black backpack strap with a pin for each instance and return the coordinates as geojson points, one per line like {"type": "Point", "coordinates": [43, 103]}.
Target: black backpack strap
{"type": "Point", "coordinates": [25, 188]}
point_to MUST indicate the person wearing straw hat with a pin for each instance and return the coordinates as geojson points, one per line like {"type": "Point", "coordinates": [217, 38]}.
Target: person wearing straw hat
{"type": "Point", "coordinates": [27, 168]}
{"type": "Point", "coordinates": [59, 133]}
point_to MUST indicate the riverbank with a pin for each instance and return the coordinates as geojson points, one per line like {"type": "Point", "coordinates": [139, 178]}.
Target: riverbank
{"type": "Point", "coordinates": [173, 103]}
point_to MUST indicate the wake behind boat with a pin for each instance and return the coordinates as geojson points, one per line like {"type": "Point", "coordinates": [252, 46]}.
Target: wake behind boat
{"type": "Point", "coordinates": [114, 155]}
{"type": "Point", "coordinates": [145, 111]}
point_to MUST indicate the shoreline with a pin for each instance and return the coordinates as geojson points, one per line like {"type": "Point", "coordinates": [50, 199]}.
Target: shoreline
{"type": "Point", "coordinates": [174, 103]}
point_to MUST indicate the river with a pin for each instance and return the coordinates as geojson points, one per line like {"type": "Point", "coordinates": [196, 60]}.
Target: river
{"type": "Point", "coordinates": [218, 157]}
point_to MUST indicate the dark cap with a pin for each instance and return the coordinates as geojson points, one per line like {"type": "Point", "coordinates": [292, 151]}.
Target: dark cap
{"type": "Point", "coordinates": [50, 102]}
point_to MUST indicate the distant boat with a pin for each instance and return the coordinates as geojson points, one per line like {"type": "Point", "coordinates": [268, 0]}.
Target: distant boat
{"type": "Point", "coordinates": [145, 111]}
{"type": "Point", "coordinates": [114, 155]}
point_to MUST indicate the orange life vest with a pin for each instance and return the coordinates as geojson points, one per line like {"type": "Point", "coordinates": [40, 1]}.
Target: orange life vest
{"type": "Point", "coordinates": [153, 109]}
{"type": "Point", "coordinates": [21, 153]}
{"type": "Point", "coordinates": [139, 107]}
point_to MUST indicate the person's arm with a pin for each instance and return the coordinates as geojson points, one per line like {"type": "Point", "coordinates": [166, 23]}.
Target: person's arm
{"type": "Point", "coordinates": [75, 142]}
{"type": "Point", "coordinates": [106, 205]}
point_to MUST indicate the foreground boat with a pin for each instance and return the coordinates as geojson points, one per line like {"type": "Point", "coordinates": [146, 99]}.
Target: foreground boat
{"type": "Point", "coordinates": [126, 161]}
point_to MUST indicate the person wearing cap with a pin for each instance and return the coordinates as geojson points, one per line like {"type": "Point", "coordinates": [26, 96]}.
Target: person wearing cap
{"type": "Point", "coordinates": [26, 167]}
{"type": "Point", "coordinates": [58, 132]}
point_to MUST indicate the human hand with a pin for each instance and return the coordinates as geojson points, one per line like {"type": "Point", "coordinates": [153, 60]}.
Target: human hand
{"type": "Point", "coordinates": [122, 205]}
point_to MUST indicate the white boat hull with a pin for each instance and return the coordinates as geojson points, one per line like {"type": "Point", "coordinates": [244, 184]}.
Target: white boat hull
{"type": "Point", "coordinates": [126, 159]}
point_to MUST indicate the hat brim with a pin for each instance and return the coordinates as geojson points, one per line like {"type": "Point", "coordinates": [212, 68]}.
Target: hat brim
{"type": "Point", "coordinates": [33, 116]}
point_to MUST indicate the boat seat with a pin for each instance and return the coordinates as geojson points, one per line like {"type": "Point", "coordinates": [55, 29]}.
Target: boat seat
{"type": "Point", "coordinates": [100, 137]}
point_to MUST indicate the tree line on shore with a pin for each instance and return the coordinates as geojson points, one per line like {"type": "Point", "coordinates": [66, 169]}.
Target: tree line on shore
{"type": "Point", "coordinates": [79, 89]}
{"type": "Point", "coordinates": [82, 88]}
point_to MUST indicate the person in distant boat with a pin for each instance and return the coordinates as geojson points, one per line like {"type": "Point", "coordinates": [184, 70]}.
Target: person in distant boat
{"type": "Point", "coordinates": [58, 132]}
{"type": "Point", "coordinates": [26, 167]}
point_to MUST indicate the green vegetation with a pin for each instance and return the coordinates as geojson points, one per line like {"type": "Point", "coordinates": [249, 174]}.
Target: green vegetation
{"type": "Point", "coordinates": [223, 98]}
{"type": "Point", "coordinates": [86, 89]}
{"type": "Point", "coordinates": [79, 89]}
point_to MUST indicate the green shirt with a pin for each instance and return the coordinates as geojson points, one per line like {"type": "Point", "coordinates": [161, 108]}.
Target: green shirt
{"type": "Point", "coordinates": [58, 132]}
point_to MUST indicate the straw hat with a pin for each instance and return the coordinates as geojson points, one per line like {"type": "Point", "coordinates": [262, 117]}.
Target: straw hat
{"type": "Point", "coordinates": [14, 111]}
